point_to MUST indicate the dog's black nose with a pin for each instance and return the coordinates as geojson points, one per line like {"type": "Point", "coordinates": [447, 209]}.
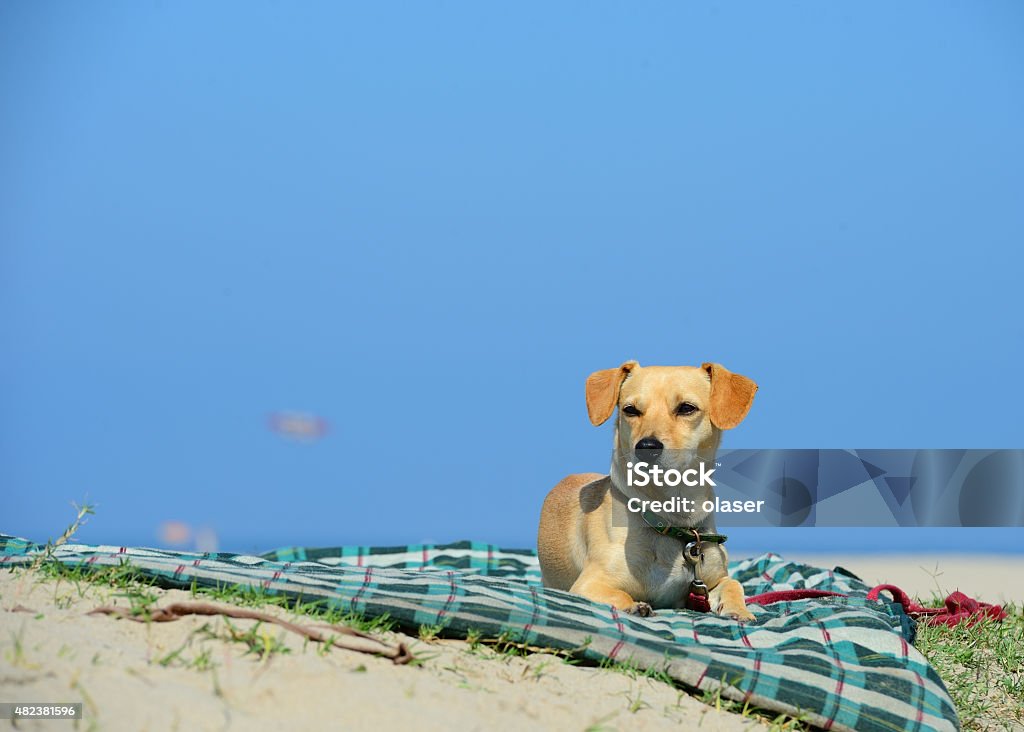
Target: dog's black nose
{"type": "Point", "coordinates": [649, 447]}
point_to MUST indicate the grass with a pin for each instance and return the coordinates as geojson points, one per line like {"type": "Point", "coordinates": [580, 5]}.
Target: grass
{"type": "Point", "coordinates": [16, 655]}
{"type": "Point", "coordinates": [139, 590]}
{"type": "Point", "coordinates": [261, 643]}
{"type": "Point", "coordinates": [775, 721]}
{"type": "Point", "coordinates": [203, 661]}
{"type": "Point", "coordinates": [633, 671]}
{"type": "Point", "coordinates": [323, 611]}
{"type": "Point", "coordinates": [982, 666]}
{"type": "Point", "coordinates": [130, 583]}
{"type": "Point", "coordinates": [83, 513]}
{"type": "Point", "coordinates": [430, 633]}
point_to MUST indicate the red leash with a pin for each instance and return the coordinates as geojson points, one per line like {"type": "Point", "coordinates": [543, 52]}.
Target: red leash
{"type": "Point", "coordinates": [959, 608]}
{"type": "Point", "coordinates": [700, 602]}
{"type": "Point", "coordinates": [767, 598]}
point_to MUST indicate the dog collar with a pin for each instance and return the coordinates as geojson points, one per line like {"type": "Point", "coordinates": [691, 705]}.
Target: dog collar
{"type": "Point", "coordinates": [680, 532]}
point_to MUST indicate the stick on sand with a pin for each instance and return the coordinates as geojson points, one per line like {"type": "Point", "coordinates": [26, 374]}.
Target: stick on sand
{"type": "Point", "coordinates": [356, 640]}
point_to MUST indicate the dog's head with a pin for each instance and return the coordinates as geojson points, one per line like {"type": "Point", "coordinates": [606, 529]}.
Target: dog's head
{"type": "Point", "coordinates": [671, 415]}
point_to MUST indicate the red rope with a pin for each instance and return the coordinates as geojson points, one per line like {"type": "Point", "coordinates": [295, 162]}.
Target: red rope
{"type": "Point", "coordinates": [958, 608]}
{"type": "Point", "coordinates": [767, 598]}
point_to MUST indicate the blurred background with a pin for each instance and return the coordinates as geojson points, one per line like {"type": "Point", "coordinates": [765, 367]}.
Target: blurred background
{"type": "Point", "coordinates": [330, 273]}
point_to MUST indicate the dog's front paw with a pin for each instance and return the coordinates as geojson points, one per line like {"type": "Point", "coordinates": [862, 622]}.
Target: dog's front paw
{"type": "Point", "coordinates": [639, 608]}
{"type": "Point", "coordinates": [727, 600]}
{"type": "Point", "coordinates": [736, 613]}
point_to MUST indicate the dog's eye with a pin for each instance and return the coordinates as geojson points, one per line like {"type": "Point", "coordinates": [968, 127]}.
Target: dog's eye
{"type": "Point", "coordinates": [686, 409]}
{"type": "Point", "coordinates": [630, 410]}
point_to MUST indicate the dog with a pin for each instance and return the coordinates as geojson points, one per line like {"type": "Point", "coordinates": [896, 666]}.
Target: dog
{"type": "Point", "coordinates": [591, 544]}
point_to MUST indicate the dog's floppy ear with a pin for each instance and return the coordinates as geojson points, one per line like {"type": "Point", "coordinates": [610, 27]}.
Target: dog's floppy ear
{"type": "Point", "coordinates": [731, 396]}
{"type": "Point", "coordinates": [603, 391]}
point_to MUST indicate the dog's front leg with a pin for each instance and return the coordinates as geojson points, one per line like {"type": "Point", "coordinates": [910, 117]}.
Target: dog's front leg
{"type": "Point", "coordinates": [595, 585]}
{"type": "Point", "coordinates": [726, 598]}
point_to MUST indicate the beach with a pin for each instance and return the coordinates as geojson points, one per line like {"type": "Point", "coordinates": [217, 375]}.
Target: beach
{"type": "Point", "coordinates": [208, 673]}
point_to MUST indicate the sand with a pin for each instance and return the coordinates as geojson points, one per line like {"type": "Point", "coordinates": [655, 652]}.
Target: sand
{"type": "Point", "coordinates": [126, 676]}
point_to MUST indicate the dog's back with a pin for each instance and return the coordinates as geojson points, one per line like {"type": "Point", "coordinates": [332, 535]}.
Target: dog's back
{"type": "Point", "coordinates": [561, 538]}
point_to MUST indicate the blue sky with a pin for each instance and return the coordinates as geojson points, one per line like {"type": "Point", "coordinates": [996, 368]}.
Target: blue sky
{"type": "Point", "coordinates": [428, 222]}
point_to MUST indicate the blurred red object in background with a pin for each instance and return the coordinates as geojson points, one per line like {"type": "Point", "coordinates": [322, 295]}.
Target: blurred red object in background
{"type": "Point", "coordinates": [174, 533]}
{"type": "Point", "coordinates": [298, 425]}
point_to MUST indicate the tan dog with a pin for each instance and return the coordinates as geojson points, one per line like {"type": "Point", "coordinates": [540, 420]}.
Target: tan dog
{"type": "Point", "coordinates": [679, 413]}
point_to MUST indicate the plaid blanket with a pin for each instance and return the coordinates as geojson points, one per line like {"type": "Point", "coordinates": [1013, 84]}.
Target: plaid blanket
{"type": "Point", "coordinates": [841, 663]}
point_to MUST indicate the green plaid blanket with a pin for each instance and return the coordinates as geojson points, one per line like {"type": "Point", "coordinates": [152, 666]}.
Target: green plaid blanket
{"type": "Point", "coordinates": [843, 663]}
